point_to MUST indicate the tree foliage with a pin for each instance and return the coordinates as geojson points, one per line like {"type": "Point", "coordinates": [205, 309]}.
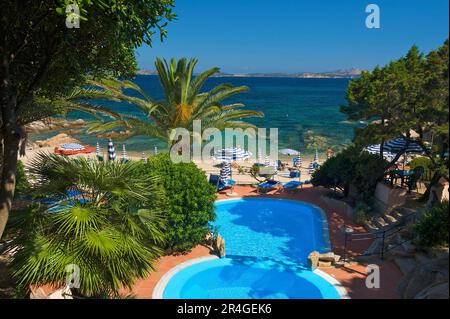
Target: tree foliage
{"type": "Point", "coordinates": [189, 204]}
{"type": "Point", "coordinates": [432, 228]}
{"type": "Point", "coordinates": [407, 98]}
{"type": "Point", "coordinates": [105, 218]}
{"type": "Point", "coordinates": [42, 59]}
{"type": "Point", "coordinates": [353, 167]}
{"type": "Point", "coordinates": [184, 103]}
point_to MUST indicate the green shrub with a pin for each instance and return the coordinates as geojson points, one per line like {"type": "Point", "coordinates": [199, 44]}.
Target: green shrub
{"type": "Point", "coordinates": [22, 184]}
{"type": "Point", "coordinates": [432, 229]}
{"type": "Point", "coordinates": [351, 166]}
{"type": "Point", "coordinates": [361, 213]}
{"type": "Point", "coordinates": [426, 163]}
{"type": "Point", "coordinates": [189, 202]}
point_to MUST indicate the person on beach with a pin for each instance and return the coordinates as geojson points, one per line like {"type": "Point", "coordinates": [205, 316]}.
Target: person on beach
{"type": "Point", "coordinates": [329, 153]}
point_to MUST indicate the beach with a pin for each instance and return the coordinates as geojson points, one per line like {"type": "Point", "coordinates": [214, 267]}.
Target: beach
{"type": "Point", "coordinates": [209, 166]}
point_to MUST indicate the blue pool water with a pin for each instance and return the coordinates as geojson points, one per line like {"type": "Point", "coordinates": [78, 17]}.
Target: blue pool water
{"type": "Point", "coordinates": [267, 244]}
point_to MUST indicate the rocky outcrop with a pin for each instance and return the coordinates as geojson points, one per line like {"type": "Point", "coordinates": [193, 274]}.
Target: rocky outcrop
{"type": "Point", "coordinates": [318, 260]}
{"type": "Point", "coordinates": [55, 141]}
{"type": "Point", "coordinates": [53, 124]}
{"type": "Point", "coordinates": [427, 280]}
{"type": "Point", "coordinates": [219, 246]}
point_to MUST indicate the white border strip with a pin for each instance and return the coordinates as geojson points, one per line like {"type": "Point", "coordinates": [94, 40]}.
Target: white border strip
{"type": "Point", "coordinates": [334, 282]}
{"type": "Point", "coordinates": [162, 283]}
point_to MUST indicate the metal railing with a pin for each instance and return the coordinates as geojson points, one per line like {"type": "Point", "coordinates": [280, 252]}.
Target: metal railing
{"type": "Point", "coordinates": [380, 236]}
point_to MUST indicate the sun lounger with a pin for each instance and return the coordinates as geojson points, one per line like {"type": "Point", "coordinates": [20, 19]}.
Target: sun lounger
{"type": "Point", "coordinates": [292, 185]}
{"type": "Point", "coordinates": [217, 182]}
{"type": "Point", "coordinates": [267, 186]}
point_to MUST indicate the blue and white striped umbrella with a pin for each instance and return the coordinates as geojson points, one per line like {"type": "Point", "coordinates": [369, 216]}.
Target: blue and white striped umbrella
{"type": "Point", "coordinates": [111, 151]}
{"type": "Point", "coordinates": [97, 149]}
{"type": "Point", "coordinates": [397, 145]}
{"type": "Point", "coordinates": [297, 161]}
{"type": "Point", "coordinates": [124, 153]}
{"type": "Point", "coordinates": [232, 154]}
{"type": "Point", "coordinates": [375, 149]}
{"type": "Point", "coordinates": [225, 171]}
{"type": "Point", "coordinates": [156, 150]}
{"type": "Point", "coordinates": [316, 156]}
{"type": "Point", "coordinates": [266, 161]}
{"type": "Point", "coordinates": [312, 167]}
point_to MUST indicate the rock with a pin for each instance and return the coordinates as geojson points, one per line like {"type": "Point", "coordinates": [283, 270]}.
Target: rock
{"type": "Point", "coordinates": [408, 247]}
{"type": "Point", "coordinates": [326, 256]}
{"type": "Point", "coordinates": [428, 279]}
{"type": "Point", "coordinates": [405, 264]}
{"type": "Point", "coordinates": [324, 264]}
{"type": "Point", "coordinates": [313, 259]}
{"type": "Point", "coordinates": [436, 291]}
{"type": "Point", "coordinates": [220, 246]}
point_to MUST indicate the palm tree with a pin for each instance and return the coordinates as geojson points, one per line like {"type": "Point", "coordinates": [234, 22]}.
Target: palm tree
{"type": "Point", "coordinates": [183, 104]}
{"type": "Point", "coordinates": [105, 220]}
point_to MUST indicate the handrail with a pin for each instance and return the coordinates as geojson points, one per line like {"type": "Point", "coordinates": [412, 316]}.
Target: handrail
{"type": "Point", "coordinates": [382, 234]}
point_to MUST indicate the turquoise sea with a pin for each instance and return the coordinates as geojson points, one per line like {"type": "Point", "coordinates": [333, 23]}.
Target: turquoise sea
{"type": "Point", "coordinates": [305, 111]}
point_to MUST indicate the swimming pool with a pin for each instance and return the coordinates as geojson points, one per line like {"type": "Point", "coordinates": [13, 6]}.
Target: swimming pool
{"type": "Point", "coordinates": [267, 244]}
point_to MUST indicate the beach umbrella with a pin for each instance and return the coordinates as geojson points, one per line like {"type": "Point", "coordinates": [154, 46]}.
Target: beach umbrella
{"type": "Point", "coordinates": [111, 151]}
{"type": "Point", "coordinates": [375, 149]}
{"type": "Point", "coordinates": [289, 152]}
{"type": "Point", "coordinates": [225, 171]}
{"type": "Point", "coordinates": [312, 167]}
{"type": "Point", "coordinates": [156, 150]}
{"type": "Point", "coordinates": [297, 161]}
{"type": "Point", "coordinates": [397, 145]}
{"type": "Point", "coordinates": [97, 149]}
{"type": "Point", "coordinates": [316, 156]}
{"type": "Point", "coordinates": [266, 161]}
{"type": "Point", "coordinates": [124, 153]}
{"type": "Point", "coordinates": [232, 154]}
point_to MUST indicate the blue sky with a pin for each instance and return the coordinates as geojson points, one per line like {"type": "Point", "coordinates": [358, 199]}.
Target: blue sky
{"type": "Point", "coordinates": [241, 36]}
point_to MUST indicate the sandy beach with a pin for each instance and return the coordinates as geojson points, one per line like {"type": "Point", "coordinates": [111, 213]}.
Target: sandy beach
{"type": "Point", "coordinates": [208, 166]}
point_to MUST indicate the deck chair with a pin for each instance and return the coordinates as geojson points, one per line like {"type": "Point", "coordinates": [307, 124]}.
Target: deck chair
{"type": "Point", "coordinates": [292, 185]}
{"type": "Point", "coordinates": [267, 186]}
{"type": "Point", "coordinates": [415, 178]}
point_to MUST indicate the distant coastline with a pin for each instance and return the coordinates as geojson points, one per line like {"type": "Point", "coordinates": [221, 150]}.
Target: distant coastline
{"type": "Point", "coordinates": [338, 74]}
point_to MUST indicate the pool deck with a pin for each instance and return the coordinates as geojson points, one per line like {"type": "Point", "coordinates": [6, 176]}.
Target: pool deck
{"type": "Point", "coordinates": [352, 277]}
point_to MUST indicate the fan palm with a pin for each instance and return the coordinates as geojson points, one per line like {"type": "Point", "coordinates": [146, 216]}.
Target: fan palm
{"type": "Point", "coordinates": [109, 227]}
{"type": "Point", "coordinates": [183, 104]}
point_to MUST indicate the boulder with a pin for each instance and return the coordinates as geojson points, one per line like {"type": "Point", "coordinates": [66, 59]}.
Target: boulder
{"type": "Point", "coordinates": [428, 279]}
{"type": "Point", "coordinates": [324, 264]}
{"type": "Point", "coordinates": [326, 256]}
{"type": "Point", "coordinates": [313, 259]}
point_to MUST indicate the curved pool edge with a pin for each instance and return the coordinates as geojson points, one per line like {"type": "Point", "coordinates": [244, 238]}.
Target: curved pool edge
{"type": "Point", "coordinates": [158, 291]}
{"type": "Point", "coordinates": [325, 227]}
{"type": "Point", "coordinates": [334, 282]}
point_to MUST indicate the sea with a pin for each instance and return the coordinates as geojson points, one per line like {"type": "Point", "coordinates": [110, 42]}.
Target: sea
{"type": "Point", "coordinates": [305, 111]}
